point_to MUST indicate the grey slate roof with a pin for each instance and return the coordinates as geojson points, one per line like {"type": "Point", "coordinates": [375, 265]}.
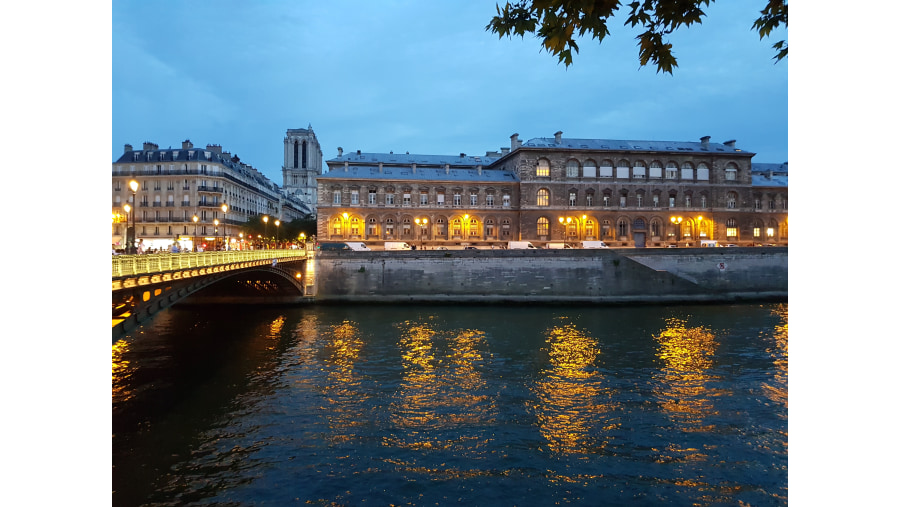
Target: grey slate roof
{"type": "Point", "coordinates": [408, 159]}
{"type": "Point", "coordinates": [421, 174]}
{"type": "Point", "coordinates": [769, 175]}
{"type": "Point", "coordinates": [638, 146]}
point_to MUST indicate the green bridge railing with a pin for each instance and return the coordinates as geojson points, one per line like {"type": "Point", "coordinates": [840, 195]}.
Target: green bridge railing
{"type": "Point", "coordinates": [129, 265]}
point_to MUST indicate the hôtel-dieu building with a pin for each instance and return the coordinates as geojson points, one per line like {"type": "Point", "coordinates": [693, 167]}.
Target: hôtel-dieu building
{"type": "Point", "coordinates": [557, 189]}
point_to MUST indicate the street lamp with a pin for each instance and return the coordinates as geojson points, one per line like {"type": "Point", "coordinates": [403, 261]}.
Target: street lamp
{"type": "Point", "coordinates": [132, 236]}
{"type": "Point", "coordinates": [216, 223]}
{"type": "Point", "coordinates": [224, 225]}
{"type": "Point", "coordinates": [195, 231]}
{"type": "Point", "coordinates": [676, 221]}
{"type": "Point", "coordinates": [266, 220]}
{"type": "Point", "coordinates": [277, 223]}
{"type": "Point", "coordinates": [423, 223]}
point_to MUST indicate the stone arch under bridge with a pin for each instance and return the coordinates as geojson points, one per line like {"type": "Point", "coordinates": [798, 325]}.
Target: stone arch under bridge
{"type": "Point", "coordinates": [140, 300]}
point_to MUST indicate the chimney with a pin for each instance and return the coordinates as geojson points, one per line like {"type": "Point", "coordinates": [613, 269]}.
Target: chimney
{"type": "Point", "coordinates": [340, 152]}
{"type": "Point", "coordinates": [462, 155]}
{"type": "Point", "coordinates": [504, 151]}
{"type": "Point", "coordinates": [128, 148]}
{"type": "Point", "coordinates": [514, 141]}
{"type": "Point", "coordinates": [730, 143]}
{"type": "Point", "coordinates": [704, 141]}
{"type": "Point", "coordinates": [215, 148]}
{"type": "Point", "coordinates": [150, 146]}
{"type": "Point", "coordinates": [186, 144]}
{"type": "Point", "coordinates": [558, 137]}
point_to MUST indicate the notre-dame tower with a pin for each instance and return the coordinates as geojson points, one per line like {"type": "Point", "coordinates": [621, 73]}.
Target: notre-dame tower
{"type": "Point", "coordinates": [302, 162]}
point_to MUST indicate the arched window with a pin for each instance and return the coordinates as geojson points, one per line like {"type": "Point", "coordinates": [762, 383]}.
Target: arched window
{"type": "Point", "coordinates": [303, 162]}
{"type": "Point", "coordinates": [543, 197]}
{"type": "Point", "coordinates": [543, 226]}
{"type": "Point", "coordinates": [606, 169]}
{"type": "Point", "coordinates": [639, 171]}
{"type": "Point", "coordinates": [336, 226]}
{"type": "Point", "coordinates": [731, 171]}
{"type": "Point", "coordinates": [731, 228]}
{"type": "Point", "coordinates": [543, 168]}
{"type": "Point", "coordinates": [687, 171]}
{"type": "Point", "coordinates": [590, 169]}
{"type": "Point", "coordinates": [655, 169]}
{"type": "Point", "coordinates": [572, 169]}
{"type": "Point", "coordinates": [731, 200]}
{"type": "Point", "coordinates": [671, 171]}
{"type": "Point", "coordinates": [622, 227]}
{"type": "Point", "coordinates": [702, 172]}
{"type": "Point", "coordinates": [622, 169]}
{"type": "Point", "coordinates": [639, 224]}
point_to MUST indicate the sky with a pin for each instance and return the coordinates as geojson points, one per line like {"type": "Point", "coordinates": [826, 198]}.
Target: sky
{"type": "Point", "coordinates": [426, 78]}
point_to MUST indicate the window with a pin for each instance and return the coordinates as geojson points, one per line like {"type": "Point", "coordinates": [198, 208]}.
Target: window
{"type": "Point", "coordinates": [703, 201]}
{"type": "Point", "coordinates": [671, 171]}
{"type": "Point", "coordinates": [589, 200]}
{"type": "Point", "coordinates": [336, 197]}
{"type": "Point", "coordinates": [389, 199]}
{"type": "Point", "coordinates": [354, 197]}
{"type": "Point", "coordinates": [622, 200]}
{"type": "Point", "coordinates": [543, 197]}
{"type": "Point", "coordinates": [702, 172]}
{"type": "Point", "coordinates": [372, 196]}
{"type": "Point", "coordinates": [372, 227]}
{"type": "Point", "coordinates": [655, 200]}
{"type": "Point", "coordinates": [473, 199]}
{"type": "Point", "coordinates": [572, 169]}
{"type": "Point", "coordinates": [623, 228]}
{"type": "Point", "coordinates": [771, 203]}
{"type": "Point", "coordinates": [731, 200]}
{"type": "Point", "coordinates": [407, 199]}
{"type": "Point", "coordinates": [543, 226]}
{"type": "Point", "coordinates": [423, 198]}
{"type": "Point", "coordinates": [731, 172]}
{"type": "Point", "coordinates": [639, 172]}
{"type": "Point", "coordinates": [406, 227]}
{"type": "Point", "coordinates": [572, 198]}
{"type": "Point", "coordinates": [118, 186]}
{"type": "Point", "coordinates": [489, 228]}
{"type": "Point", "coordinates": [457, 200]}
{"type": "Point", "coordinates": [605, 201]}
{"type": "Point", "coordinates": [655, 169]}
{"type": "Point", "coordinates": [489, 200]}
{"type": "Point", "coordinates": [606, 170]}
{"type": "Point", "coordinates": [671, 201]}
{"type": "Point", "coordinates": [756, 232]}
{"type": "Point", "coordinates": [543, 168]}
{"type": "Point", "coordinates": [731, 228]}
{"type": "Point", "coordinates": [687, 201]}
{"type": "Point", "coordinates": [590, 169]}
{"type": "Point", "coordinates": [640, 200]}
{"type": "Point", "coordinates": [389, 225]}
{"type": "Point", "coordinates": [506, 200]}
{"type": "Point", "coordinates": [687, 171]}
{"type": "Point", "coordinates": [622, 170]}
{"type": "Point", "coordinates": [440, 199]}
{"type": "Point", "coordinates": [757, 203]}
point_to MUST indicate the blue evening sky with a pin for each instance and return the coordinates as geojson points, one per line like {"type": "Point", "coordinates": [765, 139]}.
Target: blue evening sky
{"type": "Point", "coordinates": [426, 77]}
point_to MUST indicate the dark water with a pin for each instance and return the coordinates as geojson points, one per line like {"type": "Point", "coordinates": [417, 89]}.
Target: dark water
{"type": "Point", "coordinates": [439, 405]}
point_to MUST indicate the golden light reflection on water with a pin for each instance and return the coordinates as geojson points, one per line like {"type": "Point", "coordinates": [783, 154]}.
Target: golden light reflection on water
{"type": "Point", "coordinates": [121, 371]}
{"type": "Point", "coordinates": [571, 406]}
{"type": "Point", "coordinates": [342, 387]}
{"type": "Point", "coordinates": [777, 391]}
{"type": "Point", "coordinates": [441, 389]}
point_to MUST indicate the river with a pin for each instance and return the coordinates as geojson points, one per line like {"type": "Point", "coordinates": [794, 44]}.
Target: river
{"type": "Point", "coordinates": [463, 405]}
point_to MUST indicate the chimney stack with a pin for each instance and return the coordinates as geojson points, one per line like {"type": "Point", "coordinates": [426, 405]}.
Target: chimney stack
{"type": "Point", "coordinates": [558, 137]}
{"type": "Point", "coordinates": [514, 141]}
{"type": "Point", "coordinates": [186, 144]}
{"type": "Point", "coordinates": [730, 143]}
{"type": "Point", "coordinates": [504, 151]}
{"type": "Point", "coordinates": [128, 148]}
{"type": "Point", "coordinates": [150, 146]}
{"type": "Point", "coordinates": [704, 140]}
{"type": "Point", "coordinates": [215, 148]}
{"type": "Point", "coordinates": [340, 152]}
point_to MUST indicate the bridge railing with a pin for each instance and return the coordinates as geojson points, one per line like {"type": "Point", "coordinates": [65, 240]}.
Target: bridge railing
{"type": "Point", "coordinates": [127, 265]}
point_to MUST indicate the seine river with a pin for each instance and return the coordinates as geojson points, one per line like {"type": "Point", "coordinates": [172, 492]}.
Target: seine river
{"type": "Point", "coordinates": [463, 405]}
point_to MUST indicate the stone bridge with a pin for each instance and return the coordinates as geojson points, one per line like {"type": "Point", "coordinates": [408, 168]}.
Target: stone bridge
{"type": "Point", "coordinates": [142, 285]}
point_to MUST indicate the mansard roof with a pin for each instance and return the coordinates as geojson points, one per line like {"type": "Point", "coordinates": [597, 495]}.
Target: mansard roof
{"type": "Point", "coordinates": [461, 160]}
{"type": "Point", "coordinates": [400, 173]}
{"type": "Point", "coordinates": [617, 145]}
{"type": "Point", "coordinates": [769, 175]}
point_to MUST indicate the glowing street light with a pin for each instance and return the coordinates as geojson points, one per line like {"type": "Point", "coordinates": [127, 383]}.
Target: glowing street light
{"type": "Point", "coordinates": [266, 220]}
{"type": "Point", "coordinates": [277, 223]}
{"type": "Point", "coordinates": [130, 233]}
{"type": "Point", "coordinates": [195, 218]}
{"type": "Point", "coordinates": [224, 226]}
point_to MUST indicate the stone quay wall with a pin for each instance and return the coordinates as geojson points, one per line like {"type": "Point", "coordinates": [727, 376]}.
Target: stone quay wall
{"type": "Point", "coordinates": [634, 275]}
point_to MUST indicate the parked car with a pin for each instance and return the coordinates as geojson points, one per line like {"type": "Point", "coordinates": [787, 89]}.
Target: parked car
{"type": "Point", "coordinates": [593, 244]}
{"type": "Point", "coordinates": [730, 244]}
{"type": "Point", "coordinates": [472, 248]}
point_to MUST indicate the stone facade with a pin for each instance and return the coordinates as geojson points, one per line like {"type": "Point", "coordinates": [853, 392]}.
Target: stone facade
{"type": "Point", "coordinates": [627, 193]}
{"type": "Point", "coordinates": [302, 164]}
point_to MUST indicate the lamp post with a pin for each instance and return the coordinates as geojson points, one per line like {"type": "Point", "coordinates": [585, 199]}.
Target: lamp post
{"type": "Point", "coordinates": [224, 226]}
{"type": "Point", "coordinates": [241, 242]}
{"type": "Point", "coordinates": [216, 223]}
{"type": "Point", "coordinates": [131, 233]}
{"type": "Point", "coordinates": [421, 222]}
{"type": "Point", "coordinates": [195, 218]}
{"type": "Point", "coordinates": [676, 221]}
{"type": "Point", "coordinates": [266, 221]}
{"type": "Point", "coordinates": [277, 223]}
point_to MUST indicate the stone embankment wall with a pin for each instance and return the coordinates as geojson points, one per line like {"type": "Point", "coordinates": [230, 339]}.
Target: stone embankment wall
{"type": "Point", "coordinates": [553, 276]}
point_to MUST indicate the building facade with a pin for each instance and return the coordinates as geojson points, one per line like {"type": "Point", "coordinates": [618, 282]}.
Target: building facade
{"type": "Point", "coordinates": [191, 195]}
{"type": "Point", "coordinates": [626, 193]}
{"type": "Point", "coordinates": [302, 165]}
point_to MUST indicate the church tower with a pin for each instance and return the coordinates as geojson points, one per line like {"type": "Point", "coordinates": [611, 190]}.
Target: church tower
{"type": "Point", "coordinates": [302, 163]}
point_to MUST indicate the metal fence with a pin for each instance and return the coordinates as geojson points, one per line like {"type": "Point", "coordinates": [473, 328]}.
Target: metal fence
{"type": "Point", "coordinates": [128, 265]}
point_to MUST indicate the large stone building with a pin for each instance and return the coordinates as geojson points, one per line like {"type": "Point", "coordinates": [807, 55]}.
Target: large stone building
{"type": "Point", "coordinates": [302, 164]}
{"type": "Point", "coordinates": [177, 185]}
{"type": "Point", "coordinates": [627, 193]}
